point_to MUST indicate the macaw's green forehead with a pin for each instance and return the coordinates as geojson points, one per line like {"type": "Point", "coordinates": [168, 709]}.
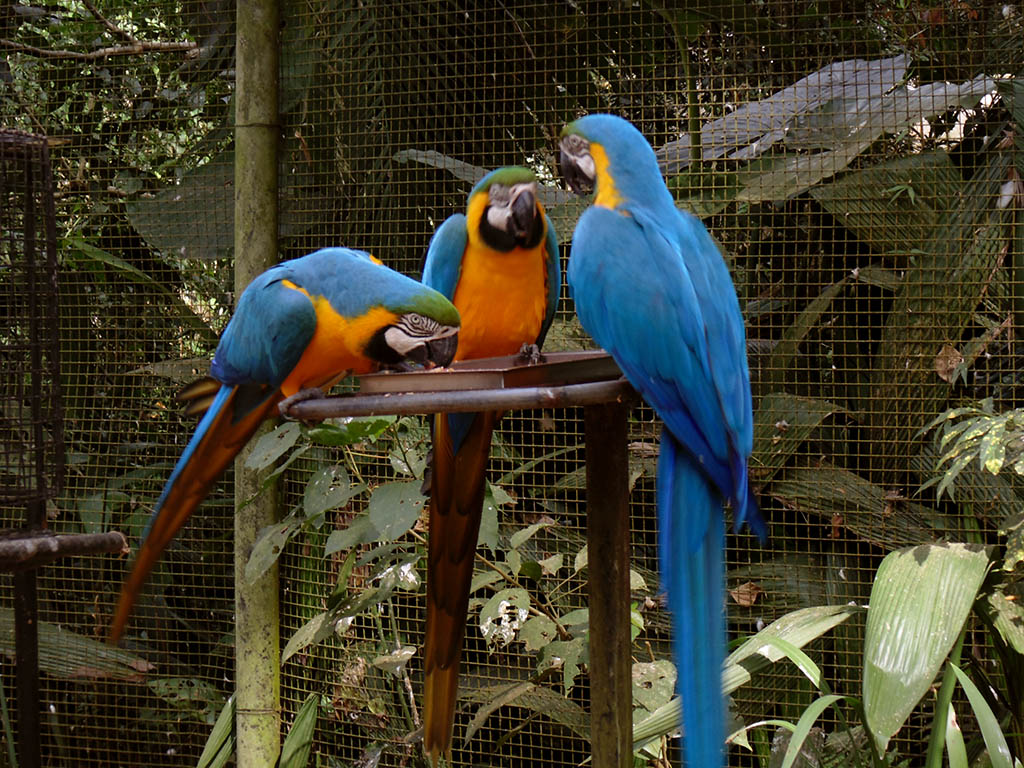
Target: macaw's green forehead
{"type": "Point", "coordinates": [507, 177]}
{"type": "Point", "coordinates": [430, 303]}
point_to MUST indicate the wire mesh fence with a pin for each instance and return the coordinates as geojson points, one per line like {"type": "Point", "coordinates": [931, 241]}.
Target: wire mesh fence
{"type": "Point", "coordinates": [859, 165]}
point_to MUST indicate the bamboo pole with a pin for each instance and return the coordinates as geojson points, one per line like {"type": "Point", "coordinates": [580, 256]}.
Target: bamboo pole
{"type": "Point", "coordinates": [258, 715]}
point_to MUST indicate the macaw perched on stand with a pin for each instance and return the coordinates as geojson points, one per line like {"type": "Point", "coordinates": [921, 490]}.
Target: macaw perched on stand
{"type": "Point", "coordinates": [499, 265]}
{"type": "Point", "coordinates": [651, 287]}
{"type": "Point", "coordinates": [300, 326]}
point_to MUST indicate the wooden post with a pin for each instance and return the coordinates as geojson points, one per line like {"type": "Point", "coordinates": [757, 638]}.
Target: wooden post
{"type": "Point", "coordinates": [257, 654]}
{"type": "Point", "coordinates": [611, 726]}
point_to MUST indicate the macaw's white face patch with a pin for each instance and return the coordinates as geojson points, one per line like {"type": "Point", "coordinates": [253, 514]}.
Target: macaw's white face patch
{"type": "Point", "coordinates": [502, 200]}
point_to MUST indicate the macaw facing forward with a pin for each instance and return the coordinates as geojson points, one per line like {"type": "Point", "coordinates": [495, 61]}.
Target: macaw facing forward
{"type": "Point", "coordinates": [499, 265]}
{"type": "Point", "coordinates": [651, 287]}
{"type": "Point", "coordinates": [301, 325]}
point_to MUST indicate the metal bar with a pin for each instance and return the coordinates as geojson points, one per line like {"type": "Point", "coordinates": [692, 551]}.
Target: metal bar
{"type": "Point", "coordinates": [30, 549]}
{"type": "Point", "coordinates": [26, 654]}
{"type": "Point", "coordinates": [611, 726]}
{"type": "Point", "coordinates": [257, 657]}
{"type": "Point", "coordinates": [616, 390]}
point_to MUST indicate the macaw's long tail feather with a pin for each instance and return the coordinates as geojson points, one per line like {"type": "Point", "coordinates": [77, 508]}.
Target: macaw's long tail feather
{"type": "Point", "coordinates": [692, 539]}
{"type": "Point", "coordinates": [199, 396]}
{"type": "Point", "coordinates": [226, 427]}
{"type": "Point", "coordinates": [456, 503]}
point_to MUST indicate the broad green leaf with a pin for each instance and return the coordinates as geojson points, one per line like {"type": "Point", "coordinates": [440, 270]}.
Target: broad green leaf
{"type": "Point", "coordinates": [503, 615]}
{"type": "Point", "coordinates": [269, 544]}
{"type": "Point", "coordinates": [637, 583]}
{"type": "Point", "coordinates": [566, 654]}
{"type": "Point", "coordinates": [537, 632]}
{"type": "Point", "coordinates": [549, 566]}
{"type": "Point", "coordinates": [653, 683]}
{"type": "Point", "coordinates": [328, 489]}
{"type": "Point", "coordinates": [907, 636]}
{"type": "Point", "coordinates": [299, 741]}
{"type": "Point", "coordinates": [1007, 616]}
{"type": "Point", "coordinates": [273, 445]}
{"type": "Point", "coordinates": [318, 628]}
{"type": "Point", "coordinates": [359, 531]}
{"type": "Point", "coordinates": [395, 507]}
{"type": "Point", "coordinates": [782, 424]}
{"type": "Point", "coordinates": [535, 698]}
{"type": "Point", "coordinates": [519, 537]}
{"type": "Point", "coordinates": [66, 655]}
{"type": "Point", "coordinates": [350, 431]}
{"type": "Point", "coordinates": [754, 655]}
{"type": "Point", "coordinates": [220, 744]}
{"type": "Point", "coordinates": [995, 742]}
{"type": "Point", "coordinates": [483, 579]}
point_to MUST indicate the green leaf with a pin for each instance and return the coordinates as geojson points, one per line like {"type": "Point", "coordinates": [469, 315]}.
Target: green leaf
{"type": "Point", "coordinates": [995, 742]}
{"type": "Point", "coordinates": [519, 537]}
{"type": "Point", "coordinates": [320, 627]}
{"type": "Point", "coordinates": [350, 431]}
{"type": "Point", "coordinates": [503, 615]}
{"type": "Point", "coordinates": [908, 637]}
{"type": "Point", "coordinates": [653, 683]}
{"type": "Point", "coordinates": [483, 579]}
{"type": "Point", "coordinates": [488, 535]}
{"type": "Point", "coordinates": [549, 566]}
{"type": "Point", "coordinates": [1007, 616]}
{"type": "Point", "coordinates": [359, 531]}
{"type": "Point", "coordinates": [955, 748]}
{"type": "Point", "coordinates": [269, 544]}
{"type": "Point", "coordinates": [299, 741]}
{"type": "Point", "coordinates": [506, 696]}
{"type": "Point", "coordinates": [271, 446]}
{"type": "Point", "coordinates": [754, 655]}
{"type": "Point", "coordinates": [66, 655]}
{"type": "Point", "coordinates": [220, 744]}
{"type": "Point", "coordinates": [395, 661]}
{"type": "Point", "coordinates": [327, 489]}
{"type": "Point", "coordinates": [395, 507]}
{"type": "Point", "coordinates": [565, 654]}
{"type": "Point", "coordinates": [803, 727]}
{"type": "Point", "coordinates": [535, 698]}
{"type": "Point", "coordinates": [537, 632]}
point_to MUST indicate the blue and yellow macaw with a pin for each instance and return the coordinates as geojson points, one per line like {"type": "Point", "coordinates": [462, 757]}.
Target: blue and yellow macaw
{"type": "Point", "coordinates": [651, 287]}
{"type": "Point", "coordinates": [499, 265]}
{"type": "Point", "coordinates": [300, 326]}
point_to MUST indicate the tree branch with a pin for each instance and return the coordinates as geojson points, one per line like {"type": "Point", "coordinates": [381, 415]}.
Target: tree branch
{"type": "Point", "coordinates": [111, 27]}
{"type": "Point", "coordinates": [132, 49]}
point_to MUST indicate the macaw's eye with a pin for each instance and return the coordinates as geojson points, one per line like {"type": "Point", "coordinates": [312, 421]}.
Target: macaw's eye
{"type": "Point", "coordinates": [575, 145]}
{"type": "Point", "coordinates": [499, 194]}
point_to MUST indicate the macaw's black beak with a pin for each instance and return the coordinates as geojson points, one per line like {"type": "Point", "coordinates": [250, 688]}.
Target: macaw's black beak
{"type": "Point", "coordinates": [441, 351]}
{"type": "Point", "coordinates": [578, 181]}
{"type": "Point", "coordinates": [524, 214]}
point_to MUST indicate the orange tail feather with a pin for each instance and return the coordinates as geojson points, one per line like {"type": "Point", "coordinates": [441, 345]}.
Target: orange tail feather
{"type": "Point", "coordinates": [216, 448]}
{"type": "Point", "coordinates": [457, 492]}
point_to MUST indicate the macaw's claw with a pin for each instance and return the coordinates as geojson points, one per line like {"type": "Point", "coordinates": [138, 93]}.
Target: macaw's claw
{"type": "Point", "coordinates": [530, 354]}
{"type": "Point", "coordinates": [310, 393]}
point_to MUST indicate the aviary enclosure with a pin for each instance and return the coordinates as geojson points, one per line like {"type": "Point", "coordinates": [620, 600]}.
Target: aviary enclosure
{"type": "Point", "coordinates": [860, 165]}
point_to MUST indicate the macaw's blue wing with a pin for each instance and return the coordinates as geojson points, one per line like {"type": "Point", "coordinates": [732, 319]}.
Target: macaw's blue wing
{"type": "Point", "coordinates": [554, 278]}
{"type": "Point", "coordinates": [443, 263]}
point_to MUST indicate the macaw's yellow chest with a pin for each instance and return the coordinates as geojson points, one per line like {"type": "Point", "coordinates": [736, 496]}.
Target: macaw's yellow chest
{"type": "Point", "coordinates": [337, 345]}
{"type": "Point", "coordinates": [502, 300]}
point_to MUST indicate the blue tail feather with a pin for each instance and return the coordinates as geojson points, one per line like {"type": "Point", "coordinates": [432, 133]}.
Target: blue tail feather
{"type": "Point", "coordinates": [204, 425]}
{"type": "Point", "coordinates": [692, 539]}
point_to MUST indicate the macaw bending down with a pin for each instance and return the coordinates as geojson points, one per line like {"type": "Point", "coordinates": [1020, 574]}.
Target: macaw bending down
{"type": "Point", "coordinates": [301, 325]}
{"type": "Point", "coordinates": [651, 287]}
{"type": "Point", "coordinates": [499, 265]}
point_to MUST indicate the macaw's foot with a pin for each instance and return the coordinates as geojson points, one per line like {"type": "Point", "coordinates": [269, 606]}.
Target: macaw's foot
{"type": "Point", "coordinates": [284, 407]}
{"type": "Point", "coordinates": [530, 354]}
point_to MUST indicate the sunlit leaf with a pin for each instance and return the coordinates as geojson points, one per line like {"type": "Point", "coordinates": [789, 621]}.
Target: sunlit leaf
{"type": "Point", "coordinates": [273, 445]}
{"type": "Point", "coordinates": [395, 507]}
{"type": "Point", "coordinates": [297, 744]}
{"type": "Point", "coordinates": [995, 741]}
{"type": "Point", "coordinates": [653, 683]}
{"type": "Point", "coordinates": [907, 638]}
